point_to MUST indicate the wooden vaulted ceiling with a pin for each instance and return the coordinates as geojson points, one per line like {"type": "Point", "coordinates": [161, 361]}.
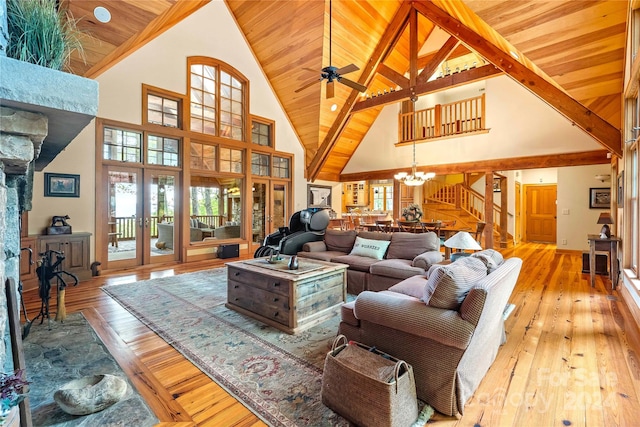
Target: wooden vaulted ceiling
{"type": "Point", "coordinates": [570, 54]}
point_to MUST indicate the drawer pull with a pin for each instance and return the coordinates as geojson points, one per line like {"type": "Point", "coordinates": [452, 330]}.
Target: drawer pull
{"type": "Point", "coordinates": [276, 284]}
{"type": "Point", "coordinates": [236, 286]}
{"type": "Point", "coordinates": [237, 273]}
{"type": "Point", "coordinates": [276, 299]}
{"type": "Point", "coordinates": [237, 299]}
{"type": "Point", "coordinates": [276, 314]}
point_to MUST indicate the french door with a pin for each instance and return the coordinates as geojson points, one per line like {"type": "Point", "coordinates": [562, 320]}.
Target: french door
{"type": "Point", "coordinates": [140, 216]}
{"type": "Point", "coordinates": [269, 209]}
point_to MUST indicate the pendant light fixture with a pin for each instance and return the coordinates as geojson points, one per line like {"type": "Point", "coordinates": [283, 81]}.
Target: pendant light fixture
{"type": "Point", "coordinates": [416, 178]}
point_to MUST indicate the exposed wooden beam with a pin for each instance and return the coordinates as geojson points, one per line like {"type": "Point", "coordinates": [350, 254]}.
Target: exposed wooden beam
{"type": "Point", "coordinates": [597, 157]}
{"type": "Point", "coordinates": [443, 83]}
{"type": "Point", "coordinates": [393, 75]}
{"type": "Point", "coordinates": [386, 44]}
{"type": "Point", "coordinates": [173, 15]}
{"type": "Point", "coordinates": [459, 51]}
{"type": "Point", "coordinates": [433, 65]}
{"type": "Point", "coordinates": [599, 129]}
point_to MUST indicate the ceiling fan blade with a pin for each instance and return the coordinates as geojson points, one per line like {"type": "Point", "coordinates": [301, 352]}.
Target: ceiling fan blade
{"type": "Point", "coordinates": [348, 69]}
{"type": "Point", "coordinates": [352, 84]}
{"type": "Point", "coordinates": [306, 85]}
{"type": "Point", "coordinates": [330, 89]}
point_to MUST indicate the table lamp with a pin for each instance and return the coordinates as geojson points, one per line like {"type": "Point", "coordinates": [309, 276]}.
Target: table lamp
{"type": "Point", "coordinates": [605, 219]}
{"type": "Point", "coordinates": [461, 241]}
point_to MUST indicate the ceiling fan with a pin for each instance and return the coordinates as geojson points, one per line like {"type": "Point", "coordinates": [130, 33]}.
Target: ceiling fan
{"type": "Point", "coordinates": [333, 74]}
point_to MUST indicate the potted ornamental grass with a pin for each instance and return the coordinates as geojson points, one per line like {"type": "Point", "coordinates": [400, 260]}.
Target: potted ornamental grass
{"type": "Point", "coordinates": [40, 33]}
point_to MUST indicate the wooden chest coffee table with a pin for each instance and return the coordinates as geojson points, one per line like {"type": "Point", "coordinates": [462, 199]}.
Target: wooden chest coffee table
{"type": "Point", "coordinates": [290, 300]}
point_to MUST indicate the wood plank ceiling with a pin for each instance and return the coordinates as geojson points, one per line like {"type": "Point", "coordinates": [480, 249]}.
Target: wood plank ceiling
{"type": "Point", "coordinates": [570, 54]}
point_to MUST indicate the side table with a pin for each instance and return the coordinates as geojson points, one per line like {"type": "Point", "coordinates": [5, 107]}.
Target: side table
{"type": "Point", "coordinates": [609, 245]}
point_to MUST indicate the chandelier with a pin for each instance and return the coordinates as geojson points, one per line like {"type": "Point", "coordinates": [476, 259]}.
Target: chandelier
{"type": "Point", "coordinates": [416, 178]}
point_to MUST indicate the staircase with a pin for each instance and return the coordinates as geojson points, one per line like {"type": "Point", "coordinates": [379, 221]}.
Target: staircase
{"type": "Point", "coordinates": [462, 204]}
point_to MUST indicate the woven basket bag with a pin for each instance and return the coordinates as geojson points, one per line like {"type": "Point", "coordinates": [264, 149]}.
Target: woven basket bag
{"type": "Point", "coordinates": [368, 387]}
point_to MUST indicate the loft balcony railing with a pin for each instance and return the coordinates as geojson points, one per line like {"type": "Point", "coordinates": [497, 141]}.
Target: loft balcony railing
{"type": "Point", "coordinates": [456, 118]}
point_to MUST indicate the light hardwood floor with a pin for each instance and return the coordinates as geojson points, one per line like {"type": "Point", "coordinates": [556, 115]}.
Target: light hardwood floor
{"type": "Point", "coordinates": [571, 356]}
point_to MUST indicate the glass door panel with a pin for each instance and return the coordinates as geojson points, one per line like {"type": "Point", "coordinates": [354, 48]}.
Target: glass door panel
{"type": "Point", "coordinates": [122, 217]}
{"type": "Point", "coordinates": [259, 213]}
{"type": "Point", "coordinates": [160, 234]}
{"type": "Point", "coordinates": [269, 211]}
{"type": "Point", "coordinates": [279, 213]}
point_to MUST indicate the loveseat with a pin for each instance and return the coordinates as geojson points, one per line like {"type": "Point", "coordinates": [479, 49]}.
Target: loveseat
{"type": "Point", "coordinates": [376, 260]}
{"type": "Point", "coordinates": [452, 339]}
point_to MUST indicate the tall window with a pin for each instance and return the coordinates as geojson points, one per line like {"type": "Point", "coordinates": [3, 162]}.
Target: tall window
{"type": "Point", "coordinates": [122, 145]}
{"type": "Point", "coordinates": [217, 96]}
{"type": "Point", "coordinates": [162, 151]}
{"type": "Point", "coordinates": [163, 111]}
{"type": "Point", "coordinates": [382, 197]}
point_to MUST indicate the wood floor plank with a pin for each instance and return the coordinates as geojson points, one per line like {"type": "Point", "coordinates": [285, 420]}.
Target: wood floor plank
{"type": "Point", "coordinates": [576, 346]}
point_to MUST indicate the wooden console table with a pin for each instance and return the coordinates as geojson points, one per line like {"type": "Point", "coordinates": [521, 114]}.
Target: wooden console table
{"type": "Point", "coordinates": [609, 245]}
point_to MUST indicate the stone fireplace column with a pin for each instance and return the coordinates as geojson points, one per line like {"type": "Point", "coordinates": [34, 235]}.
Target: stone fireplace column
{"type": "Point", "coordinates": [21, 136]}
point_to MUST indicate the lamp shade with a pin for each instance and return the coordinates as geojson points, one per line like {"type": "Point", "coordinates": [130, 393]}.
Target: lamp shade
{"type": "Point", "coordinates": [462, 240]}
{"type": "Point", "coordinates": [605, 218]}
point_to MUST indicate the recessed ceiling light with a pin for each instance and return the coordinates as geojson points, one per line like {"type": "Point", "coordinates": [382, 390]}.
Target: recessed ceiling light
{"type": "Point", "coordinates": [515, 55]}
{"type": "Point", "coordinates": [334, 107]}
{"type": "Point", "coordinates": [102, 14]}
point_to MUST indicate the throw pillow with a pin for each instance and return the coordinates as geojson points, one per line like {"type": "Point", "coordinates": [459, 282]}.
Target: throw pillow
{"type": "Point", "coordinates": [413, 286]}
{"type": "Point", "coordinates": [339, 240]}
{"type": "Point", "coordinates": [370, 248]}
{"type": "Point", "coordinates": [491, 258]}
{"type": "Point", "coordinates": [448, 285]}
{"type": "Point", "coordinates": [410, 245]}
{"type": "Point", "coordinates": [193, 223]}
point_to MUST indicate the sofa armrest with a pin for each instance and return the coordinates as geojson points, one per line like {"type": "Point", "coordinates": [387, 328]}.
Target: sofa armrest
{"type": "Point", "coordinates": [317, 246]}
{"type": "Point", "coordinates": [427, 259]}
{"type": "Point", "coordinates": [414, 317]}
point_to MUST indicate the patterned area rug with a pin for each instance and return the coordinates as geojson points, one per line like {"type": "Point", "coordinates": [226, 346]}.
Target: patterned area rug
{"type": "Point", "coordinates": [68, 351]}
{"type": "Point", "coordinates": [276, 375]}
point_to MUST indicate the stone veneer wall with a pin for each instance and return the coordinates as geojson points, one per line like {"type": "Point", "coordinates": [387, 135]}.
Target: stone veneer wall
{"type": "Point", "coordinates": [21, 136]}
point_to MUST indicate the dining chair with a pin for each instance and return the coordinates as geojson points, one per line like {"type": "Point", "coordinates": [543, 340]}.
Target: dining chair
{"type": "Point", "coordinates": [408, 226]}
{"type": "Point", "coordinates": [384, 225]}
{"type": "Point", "coordinates": [479, 229]}
{"type": "Point", "coordinates": [431, 226]}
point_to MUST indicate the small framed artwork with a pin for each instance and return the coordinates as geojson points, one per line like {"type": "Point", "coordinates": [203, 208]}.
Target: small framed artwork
{"type": "Point", "coordinates": [318, 196]}
{"type": "Point", "coordinates": [620, 199]}
{"type": "Point", "coordinates": [496, 185]}
{"type": "Point", "coordinates": [61, 185]}
{"type": "Point", "coordinates": [599, 198]}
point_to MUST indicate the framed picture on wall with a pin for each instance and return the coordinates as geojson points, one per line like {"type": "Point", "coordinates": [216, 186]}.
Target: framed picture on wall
{"type": "Point", "coordinates": [599, 198]}
{"type": "Point", "coordinates": [620, 199]}
{"type": "Point", "coordinates": [318, 196]}
{"type": "Point", "coordinates": [496, 185]}
{"type": "Point", "coordinates": [61, 185]}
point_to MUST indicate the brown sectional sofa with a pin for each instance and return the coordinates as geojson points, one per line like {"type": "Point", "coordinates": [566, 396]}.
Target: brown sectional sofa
{"type": "Point", "coordinates": [408, 255]}
{"type": "Point", "coordinates": [452, 339]}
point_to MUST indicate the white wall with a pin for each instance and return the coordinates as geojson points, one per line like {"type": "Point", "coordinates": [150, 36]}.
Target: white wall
{"type": "Point", "coordinates": [573, 197]}
{"type": "Point", "coordinates": [209, 32]}
{"type": "Point", "coordinates": [520, 125]}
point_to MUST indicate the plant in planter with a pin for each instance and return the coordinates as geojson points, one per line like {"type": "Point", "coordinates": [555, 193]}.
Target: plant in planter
{"type": "Point", "coordinates": [39, 33]}
{"type": "Point", "coordinates": [12, 392]}
{"type": "Point", "coordinates": [412, 212]}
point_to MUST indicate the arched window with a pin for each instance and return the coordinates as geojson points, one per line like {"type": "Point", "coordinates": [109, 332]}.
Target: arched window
{"type": "Point", "coordinates": [218, 98]}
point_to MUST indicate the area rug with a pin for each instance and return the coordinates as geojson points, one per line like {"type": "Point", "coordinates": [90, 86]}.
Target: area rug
{"type": "Point", "coordinates": [276, 375]}
{"type": "Point", "coordinates": [57, 353]}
